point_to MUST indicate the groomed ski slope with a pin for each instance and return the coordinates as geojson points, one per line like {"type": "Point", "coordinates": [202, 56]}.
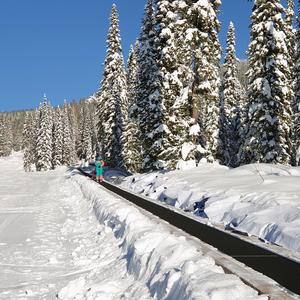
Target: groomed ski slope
{"type": "Point", "coordinates": [63, 236]}
{"type": "Point", "coordinates": [261, 200]}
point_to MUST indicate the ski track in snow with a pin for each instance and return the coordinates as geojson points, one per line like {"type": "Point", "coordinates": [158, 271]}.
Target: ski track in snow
{"type": "Point", "coordinates": [51, 243]}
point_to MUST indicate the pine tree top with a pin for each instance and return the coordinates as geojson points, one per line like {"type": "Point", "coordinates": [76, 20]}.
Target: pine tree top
{"type": "Point", "coordinates": [289, 14]}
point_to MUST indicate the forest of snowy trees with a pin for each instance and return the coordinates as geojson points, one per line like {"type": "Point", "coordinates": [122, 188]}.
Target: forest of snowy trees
{"type": "Point", "coordinates": [175, 101]}
{"type": "Point", "coordinates": [11, 126]}
{"type": "Point", "coordinates": [58, 136]}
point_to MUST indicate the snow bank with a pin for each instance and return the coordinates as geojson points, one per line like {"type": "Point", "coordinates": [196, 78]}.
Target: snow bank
{"type": "Point", "coordinates": [258, 199]}
{"type": "Point", "coordinates": [170, 265]}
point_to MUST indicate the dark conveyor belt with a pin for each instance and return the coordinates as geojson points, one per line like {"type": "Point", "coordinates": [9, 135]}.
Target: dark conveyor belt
{"type": "Point", "coordinates": [281, 269]}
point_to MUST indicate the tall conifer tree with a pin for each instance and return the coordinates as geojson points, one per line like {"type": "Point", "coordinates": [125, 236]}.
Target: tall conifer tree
{"type": "Point", "coordinates": [270, 91]}
{"type": "Point", "coordinates": [57, 154]}
{"type": "Point", "coordinates": [204, 28]}
{"type": "Point", "coordinates": [28, 142]}
{"type": "Point", "coordinates": [86, 134]}
{"type": "Point", "coordinates": [112, 97]}
{"type": "Point", "coordinates": [175, 68]}
{"type": "Point", "coordinates": [74, 131]}
{"type": "Point", "coordinates": [67, 139]}
{"type": "Point", "coordinates": [5, 143]}
{"type": "Point", "coordinates": [131, 151]}
{"type": "Point", "coordinates": [296, 104]}
{"type": "Point", "coordinates": [150, 108]}
{"type": "Point", "coordinates": [230, 125]}
{"type": "Point", "coordinates": [132, 80]}
{"type": "Point", "coordinates": [44, 137]}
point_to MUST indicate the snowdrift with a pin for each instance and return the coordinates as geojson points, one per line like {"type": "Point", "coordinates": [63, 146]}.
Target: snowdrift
{"type": "Point", "coordinates": [259, 199]}
{"type": "Point", "coordinates": [170, 265]}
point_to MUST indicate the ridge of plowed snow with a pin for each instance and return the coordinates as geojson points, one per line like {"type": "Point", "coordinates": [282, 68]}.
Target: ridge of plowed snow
{"type": "Point", "coordinates": [170, 266]}
{"type": "Point", "coordinates": [259, 199]}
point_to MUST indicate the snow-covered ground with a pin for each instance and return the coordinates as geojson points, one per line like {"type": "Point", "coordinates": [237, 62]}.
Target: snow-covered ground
{"type": "Point", "coordinates": [260, 199]}
{"type": "Point", "coordinates": [51, 242]}
{"type": "Point", "coordinates": [63, 236]}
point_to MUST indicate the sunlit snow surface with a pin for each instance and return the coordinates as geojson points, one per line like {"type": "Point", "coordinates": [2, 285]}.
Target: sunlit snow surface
{"type": "Point", "coordinates": [51, 240]}
{"type": "Point", "coordinates": [62, 236]}
{"type": "Point", "coordinates": [259, 199]}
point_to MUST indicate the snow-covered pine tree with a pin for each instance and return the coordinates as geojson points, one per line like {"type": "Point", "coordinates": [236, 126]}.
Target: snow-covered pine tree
{"type": "Point", "coordinates": [87, 139]}
{"type": "Point", "coordinates": [67, 142]}
{"type": "Point", "coordinates": [44, 137]}
{"type": "Point", "coordinates": [132, 149]}
{"type": "Point", "coordinates": [150, 109]}
{"type": "Point", "coordinates": [11, 138]}
{"type": "Point", "coordinates": [296, 103]}
{"type": "Point", "coordinates": [28, 142]}
{"type": "Point", "coordinates": [79, 149]}
{"type": "Point", "coordinates": [86, 131]}
{"type": "Point", "coordinates": [175, 63]}
{"type": "Point", "coordinates": [74, 131]}
{"type": "Point", "coordinates": [95, 142]}
{"type": "Point", "coordinates": [131, 143]}
{"type": "Point", "coordinates": [112, 97]}
{"type": "Point", "coordinates": [230, 125]}
{"type": "Point", "coordinates": [5, 144]}
{"type": "Point", "coordinates": [132, 79]}
{"type": "Point", "coordinates": [296, 137]}
{"type": "Point", "coordinates": [270, 91]}
{"type": "Point", "coordinates": [57, 153]}
{"type": "Point", "coordinates": [35, 130]}
{"type": "Point", "coordinates": [290, 32]}
{"type": "Point", "coordinates": [204, 28]}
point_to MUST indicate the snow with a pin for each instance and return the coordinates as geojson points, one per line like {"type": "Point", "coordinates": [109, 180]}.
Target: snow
{"type": "Point", "coordinates": [79, 241]}
{"type": "Point", "coordinates": [186, 165]}
{"type": "Point", "coordinates": [186, 149]}
{"type": "Point", "coordinates": [52, 244]}
{"type": "Point", "coordinates": [168, 263]}
{"type": "Point", "coordinates": [262, 200]}
{"type": "Point", "coordinates": [194, 130]}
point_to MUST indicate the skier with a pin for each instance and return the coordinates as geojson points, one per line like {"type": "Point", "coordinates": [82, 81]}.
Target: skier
{"type": "Point", "coordinates": [99, 163]}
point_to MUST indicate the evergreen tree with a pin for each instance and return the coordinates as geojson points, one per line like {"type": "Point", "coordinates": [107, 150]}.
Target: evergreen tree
{"type": "Point", "coordinates": [95, 142]}
{"type": "Point", "coordinates": [132, 79]}
{"type": "Point", "coordinates": [35, 131]}
{"type": "Point", "coordinates": [86, 138]}
{"type": "Point", "coordinates": [150, 109]}
{"type": "Point", "coordinates": [132, 154]}
{"type": "Point", "coordinates": [67, 143]}
{"type": "Point", "coordinates": [5, 144]}
{"type": "Point", "coordinates": [79, 149]}
{"type": "Point", "coordinates": [296, 103]}
{"type": "Point", "coordinates": [57, 154]}
{"type": "Point", "coordinates": [270, 91]}
{"type": "Point", "coordinates": [176, 75]}
{"type": "Point", "coordinates": [112, 98]}
{"type": "Point", "coordinates": [28, 142]}
{"type": "Point", "coordinates": [290, 32]}
{"type": "Point", "coordinates": [204, 28]}
{"type": "Point", "coordinates": [44, 137]}
{"type": "Point", "coordinates": [73, 131]}
{"type": "Point", "coordinates": [131, 151]}
{"type": "Point", "coordinates": [11, 145]}
{"type": "Point", "coordinates": [230, 125]}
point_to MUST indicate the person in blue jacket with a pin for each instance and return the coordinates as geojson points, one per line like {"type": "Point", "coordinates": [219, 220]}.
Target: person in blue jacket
{"type": "Point", "coordinates": [99, 164]}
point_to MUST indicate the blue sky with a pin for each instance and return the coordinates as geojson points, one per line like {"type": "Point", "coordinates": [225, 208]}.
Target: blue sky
{"type": "Point", "coordinates": [58, 47]}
